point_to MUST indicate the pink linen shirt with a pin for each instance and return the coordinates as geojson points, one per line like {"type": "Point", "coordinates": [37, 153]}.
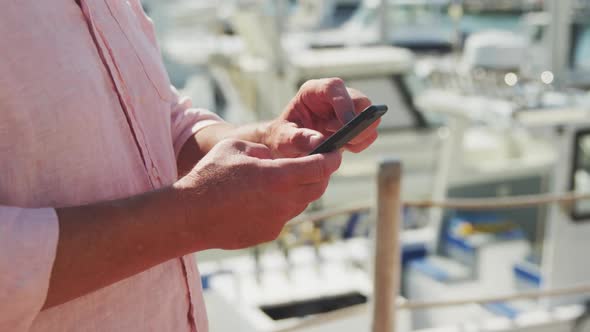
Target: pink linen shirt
{"type": "Point", "coordinates": [86, 114]}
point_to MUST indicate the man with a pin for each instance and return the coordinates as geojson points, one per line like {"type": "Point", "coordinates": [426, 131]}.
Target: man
{"type": "Point", "coordinates": [96, 224]}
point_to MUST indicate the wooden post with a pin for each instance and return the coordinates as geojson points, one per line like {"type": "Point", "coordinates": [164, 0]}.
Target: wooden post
{"type": "Point", "coordinates": [387, 247]}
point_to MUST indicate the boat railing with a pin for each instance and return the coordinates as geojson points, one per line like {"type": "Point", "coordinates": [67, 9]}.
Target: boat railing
{"type": "Point", "coordinates": [565, 199]}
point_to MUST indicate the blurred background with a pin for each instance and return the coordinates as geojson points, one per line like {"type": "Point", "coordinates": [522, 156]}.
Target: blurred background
{"type": "Point", "coordinates": [487, 99]}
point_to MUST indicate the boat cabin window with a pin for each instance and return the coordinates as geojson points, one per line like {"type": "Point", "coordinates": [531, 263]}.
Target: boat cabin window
{"type": "Point", "coordinates": [580, 52]}
{"type": "Point", "coordinates": [419, 14]}
{"type": "Point", "coordinates": [395, 93]}
{"type": "Point", "coordinates": [580, 177]}
{"type": "Point", "coordinates": [403, 13]}
{"type": "Point", "coordinates": [343, 12]}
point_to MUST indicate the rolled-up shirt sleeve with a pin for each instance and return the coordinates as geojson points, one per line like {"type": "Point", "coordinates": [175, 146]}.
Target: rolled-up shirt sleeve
{"type": "Point", "coordinates": [187, 121]}
{"type": "Point", "coordinates": [28, 244]}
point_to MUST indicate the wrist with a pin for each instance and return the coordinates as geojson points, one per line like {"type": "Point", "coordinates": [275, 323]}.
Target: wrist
{"type": "Point", "coordinates": [191, 213]}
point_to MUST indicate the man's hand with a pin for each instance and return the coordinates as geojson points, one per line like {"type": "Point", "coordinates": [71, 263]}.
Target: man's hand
{"type": "Point", "coordinates": [320, 108]}
{"type": "Point", "coordinates": [235, 197]}
{"type": "Point", "coordinates": [245, 196]}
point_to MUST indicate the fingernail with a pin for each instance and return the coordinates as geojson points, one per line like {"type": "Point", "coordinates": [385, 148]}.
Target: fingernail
{"type": "Point", "coordinates": [349, 116]}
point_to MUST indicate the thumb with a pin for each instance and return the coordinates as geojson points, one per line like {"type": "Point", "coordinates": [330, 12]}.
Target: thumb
{"type": "Point", "coordinates": [299, 141]}
{"type": "Point", "coordinates": [234, 146]}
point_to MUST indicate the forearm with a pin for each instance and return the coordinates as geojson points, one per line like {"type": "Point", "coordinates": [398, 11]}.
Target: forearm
{"type": "Point", "coordinates": [203, 141]}
{"type": "Point", "coordinates": [104, 243]}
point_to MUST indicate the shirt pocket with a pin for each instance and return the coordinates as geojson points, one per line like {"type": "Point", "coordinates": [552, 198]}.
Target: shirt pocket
{"type": "Point", "coordinates": [138, 31]}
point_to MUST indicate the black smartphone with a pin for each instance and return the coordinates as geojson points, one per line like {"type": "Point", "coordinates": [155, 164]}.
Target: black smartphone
{"type": "Point", "coordinates": [351, 129]}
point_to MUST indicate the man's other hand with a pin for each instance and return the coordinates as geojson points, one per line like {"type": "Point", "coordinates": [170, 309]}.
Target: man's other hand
{"type": "Point", "coordinates": [245, 196]}
{"type": "Point", "coordinates": [319, 109]}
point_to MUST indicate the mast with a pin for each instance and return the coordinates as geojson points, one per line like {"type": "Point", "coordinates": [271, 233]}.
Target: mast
{"type": "Point", "coordinates": [559, 43]}
{"type": "Point", "coordinates": [384, 23]}
{"type": "Point", "coordinates": [280, 16]}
